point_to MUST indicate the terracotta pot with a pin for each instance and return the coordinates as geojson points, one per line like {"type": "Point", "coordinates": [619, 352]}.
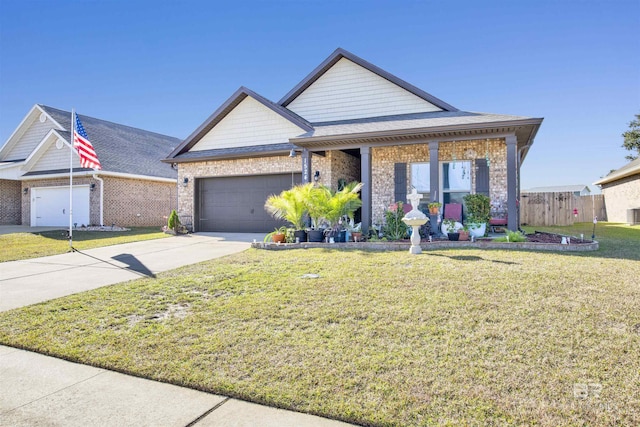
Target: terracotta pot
{"type": "Point", "coordinates": [434, 211]}
{"type": "Point", "coordinates": [357, 236]}
{"type": "Point", "coordinates": [464, 235]}
{"type": "Point", "coordinates": [279, 238]}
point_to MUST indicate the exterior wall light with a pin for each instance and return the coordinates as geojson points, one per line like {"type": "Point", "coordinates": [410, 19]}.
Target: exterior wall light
{"type": "Point", "coordinates": [316, 176]}
{"type": "Point", "coordinates": [25, 190]}
{"type": "Point", "coordinates": [185, 181]}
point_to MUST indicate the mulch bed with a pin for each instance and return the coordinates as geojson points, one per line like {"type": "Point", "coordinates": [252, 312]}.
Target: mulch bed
{"type": "Point", "coordinates": [542, 237]}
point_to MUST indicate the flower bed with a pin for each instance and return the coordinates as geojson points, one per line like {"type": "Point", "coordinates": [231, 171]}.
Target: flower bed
{"type": "Point", "coordinates": [537, 241]}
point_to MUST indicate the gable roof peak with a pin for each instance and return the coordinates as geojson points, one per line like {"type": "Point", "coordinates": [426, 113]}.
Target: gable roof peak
{"type": "Point", "coordinates": [232, 102]}
{"type": "Point", "coordinates": [340, 53]}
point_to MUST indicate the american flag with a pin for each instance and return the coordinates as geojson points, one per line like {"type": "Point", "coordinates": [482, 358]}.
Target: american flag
{"type": "Point", "coordinates": [88, 156]}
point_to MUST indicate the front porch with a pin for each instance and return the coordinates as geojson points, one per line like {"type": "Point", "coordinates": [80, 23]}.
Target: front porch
{"type": "Point", "coordinates": [443, 170]}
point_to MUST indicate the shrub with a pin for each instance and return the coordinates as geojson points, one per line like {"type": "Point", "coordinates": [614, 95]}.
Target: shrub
{"type": "Point", "coordinates": [512, 237]}
{"type": "Point", "coordinates": [394, 228]}
{"type": "Point", "coordinates": [478, 208]}
{"type": "Point", "coordinates": [174, 222]}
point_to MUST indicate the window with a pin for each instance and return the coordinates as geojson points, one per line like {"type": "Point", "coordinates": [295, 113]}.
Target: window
{"type": "Point", "coordinates": [456, 181]}
{"type": "Point", "coordinates": [421, 181]}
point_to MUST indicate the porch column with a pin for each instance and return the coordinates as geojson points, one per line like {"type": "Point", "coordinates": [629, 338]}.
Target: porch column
{"type": "Point", "coordinates": [434, 176]}
{"type": "Point", "coordinates": [512, 182]}
{"type": "Point", "coordinates": [434, 183]}
{"type": "Point", "coordinates": [306, 166]}
{"type": "Point", "coordinates": [365, 176]}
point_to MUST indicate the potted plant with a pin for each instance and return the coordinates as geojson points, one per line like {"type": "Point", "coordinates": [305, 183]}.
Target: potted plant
{"type": "Point", "coordinates": [478, 213]}
{"type": "Point", "coordinates": [279, 235]}
{"type": "Point", "coordinates": [355, 230]}
{"type": "Point", "coordinates": [290, 206]}
{"type": "Point", "coordinates": [326, 205]}
{"type": "Point", "coordinates": [451, 227]}
{"type": "Point", "coordinates": [434, 208]}
{"type": "Point", "coordinates": [464, 232]}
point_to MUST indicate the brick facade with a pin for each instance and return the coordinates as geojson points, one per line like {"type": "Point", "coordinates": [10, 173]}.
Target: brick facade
{"type": "Point", "coordinates": [337, 165]}
{"type": "Point", "coordinates": [383, 160]}
{"type": "Point", "coordinates": [127, 202]}
{"type": "Point", "coordinates": [342, 166]}
{"type": "Point", "coordinates": [621, 195]}
{"type": "Point", "coordinates": [237, 167]}
{"type": "Point", "coordinates": [10, 202]}
{"type": "Point", "coordinates": [136, 202]}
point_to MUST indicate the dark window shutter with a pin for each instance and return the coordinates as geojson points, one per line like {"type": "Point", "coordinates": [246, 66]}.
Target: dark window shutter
{"type": "Point", "coordinates": [482, 177]}
{"type": "Point", "coordinates": [400, 182]}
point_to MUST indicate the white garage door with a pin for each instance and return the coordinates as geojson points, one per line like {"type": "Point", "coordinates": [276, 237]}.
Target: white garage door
{"type": "Point", "coordinates": [50, 206]}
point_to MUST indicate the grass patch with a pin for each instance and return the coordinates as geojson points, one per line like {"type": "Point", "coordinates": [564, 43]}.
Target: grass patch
{"type": "Point", "coordinates": [17, 246]}
{"type": "Point", "coordinates": [449, 337]}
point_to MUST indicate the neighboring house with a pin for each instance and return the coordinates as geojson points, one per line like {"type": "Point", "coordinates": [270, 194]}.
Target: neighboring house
{"type": "Point", "coordinates": [134, 188]}
{"type": "Point", "coordinates": [621, 189]}
{"type": "Point", "coordinates": [577, 190]}
{"type": "Point", "coordinates": [347, 120]}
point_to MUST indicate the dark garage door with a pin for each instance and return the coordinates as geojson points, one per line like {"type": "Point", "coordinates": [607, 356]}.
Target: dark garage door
{"type": "Point", "coordinates": [236, 204]}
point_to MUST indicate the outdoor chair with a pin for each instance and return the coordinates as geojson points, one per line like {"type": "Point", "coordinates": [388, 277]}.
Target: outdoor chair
{"type": "Point", "coordinates": [498, 222]}
{"type": "Point", "coordinates": [453, 211]}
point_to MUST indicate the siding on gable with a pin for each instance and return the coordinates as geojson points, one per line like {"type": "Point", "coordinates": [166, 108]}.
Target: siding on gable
{"type": "Point", "coordinates": [348, 91]}
{"type": "Point", "coordinates": [54, 159]}
{"type": "Point", "coordinates": [29, 140]}
{"type": "Point", "coordinates": [249, 123]}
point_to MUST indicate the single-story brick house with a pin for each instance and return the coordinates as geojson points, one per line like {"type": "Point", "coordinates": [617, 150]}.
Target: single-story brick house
{"type": "Point", "coordinates": [621, 189]}
{"type": "Point", "coordinates": [347, 120]}
{"type": "Point", "coordinates": [134, 187]}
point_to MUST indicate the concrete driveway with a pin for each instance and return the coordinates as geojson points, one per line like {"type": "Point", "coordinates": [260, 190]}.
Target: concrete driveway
{"type": "Point", "coordinates": [35, 280]}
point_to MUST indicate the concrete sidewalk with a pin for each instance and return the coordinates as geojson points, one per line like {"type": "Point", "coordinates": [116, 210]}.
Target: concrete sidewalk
{"type": "Point", "coordinates": [37, 390]}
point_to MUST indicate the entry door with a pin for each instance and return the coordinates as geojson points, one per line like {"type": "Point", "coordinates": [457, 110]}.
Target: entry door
{"type": "Point", "coordinates": [50, 206]}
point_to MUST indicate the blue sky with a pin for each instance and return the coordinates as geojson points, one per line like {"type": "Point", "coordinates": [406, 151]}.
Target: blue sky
{"type": "Point", "coordinates": [166, 66]}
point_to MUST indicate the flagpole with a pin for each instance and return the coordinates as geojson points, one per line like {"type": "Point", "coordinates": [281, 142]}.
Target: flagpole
{"type": "Point", "coordinates": [73, 128]}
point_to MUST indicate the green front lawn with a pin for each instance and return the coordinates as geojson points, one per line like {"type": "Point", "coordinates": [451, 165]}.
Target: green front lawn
{"type": "Point", "coordinates": [19, 246]}
{"type": "Point", "coordinates": [449, 337]}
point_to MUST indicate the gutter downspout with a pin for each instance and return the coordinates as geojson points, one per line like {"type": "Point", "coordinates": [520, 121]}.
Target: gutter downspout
{"type": "Point", "coordinates": [96, 177]}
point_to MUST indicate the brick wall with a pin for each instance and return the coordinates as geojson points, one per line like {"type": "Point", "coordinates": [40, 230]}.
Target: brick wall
{"type": "Point", "coordinates": [343, 166]}
{"type": "Point", "coordinates": [135, 202]}
{"type": "Point", "coordinates": [10, 202]}
{"type": "Point", "coordinates": [124, 199]}
{"type": "Point", "coordinates": [621, 195]}
{"type": "Point", "coordinates": [384, 158]}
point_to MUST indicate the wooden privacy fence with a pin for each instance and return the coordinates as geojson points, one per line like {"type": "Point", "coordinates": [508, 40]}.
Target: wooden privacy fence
{"type": "Point", "coordinates": [546, 209]}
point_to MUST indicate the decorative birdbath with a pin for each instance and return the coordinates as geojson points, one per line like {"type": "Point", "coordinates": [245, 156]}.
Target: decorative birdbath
{"type": "Point", "coordinates": [415, 219]}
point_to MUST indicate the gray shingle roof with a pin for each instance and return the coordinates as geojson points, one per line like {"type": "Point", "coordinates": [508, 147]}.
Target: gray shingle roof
{"type": "Point", "coordinates": [250, 151]}
{"type": "Point", "coordinates": [631, 168]}
{"type": "Point", "coordinates": [406, 121]}
{"type": "Point", "coordinates": [121, 148]}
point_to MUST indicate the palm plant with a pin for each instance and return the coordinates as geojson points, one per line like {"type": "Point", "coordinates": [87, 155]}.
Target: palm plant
{"type": "Point", "coordinates": [289, 205]}
{"type": "Point", "coordinates": [342, 203]}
